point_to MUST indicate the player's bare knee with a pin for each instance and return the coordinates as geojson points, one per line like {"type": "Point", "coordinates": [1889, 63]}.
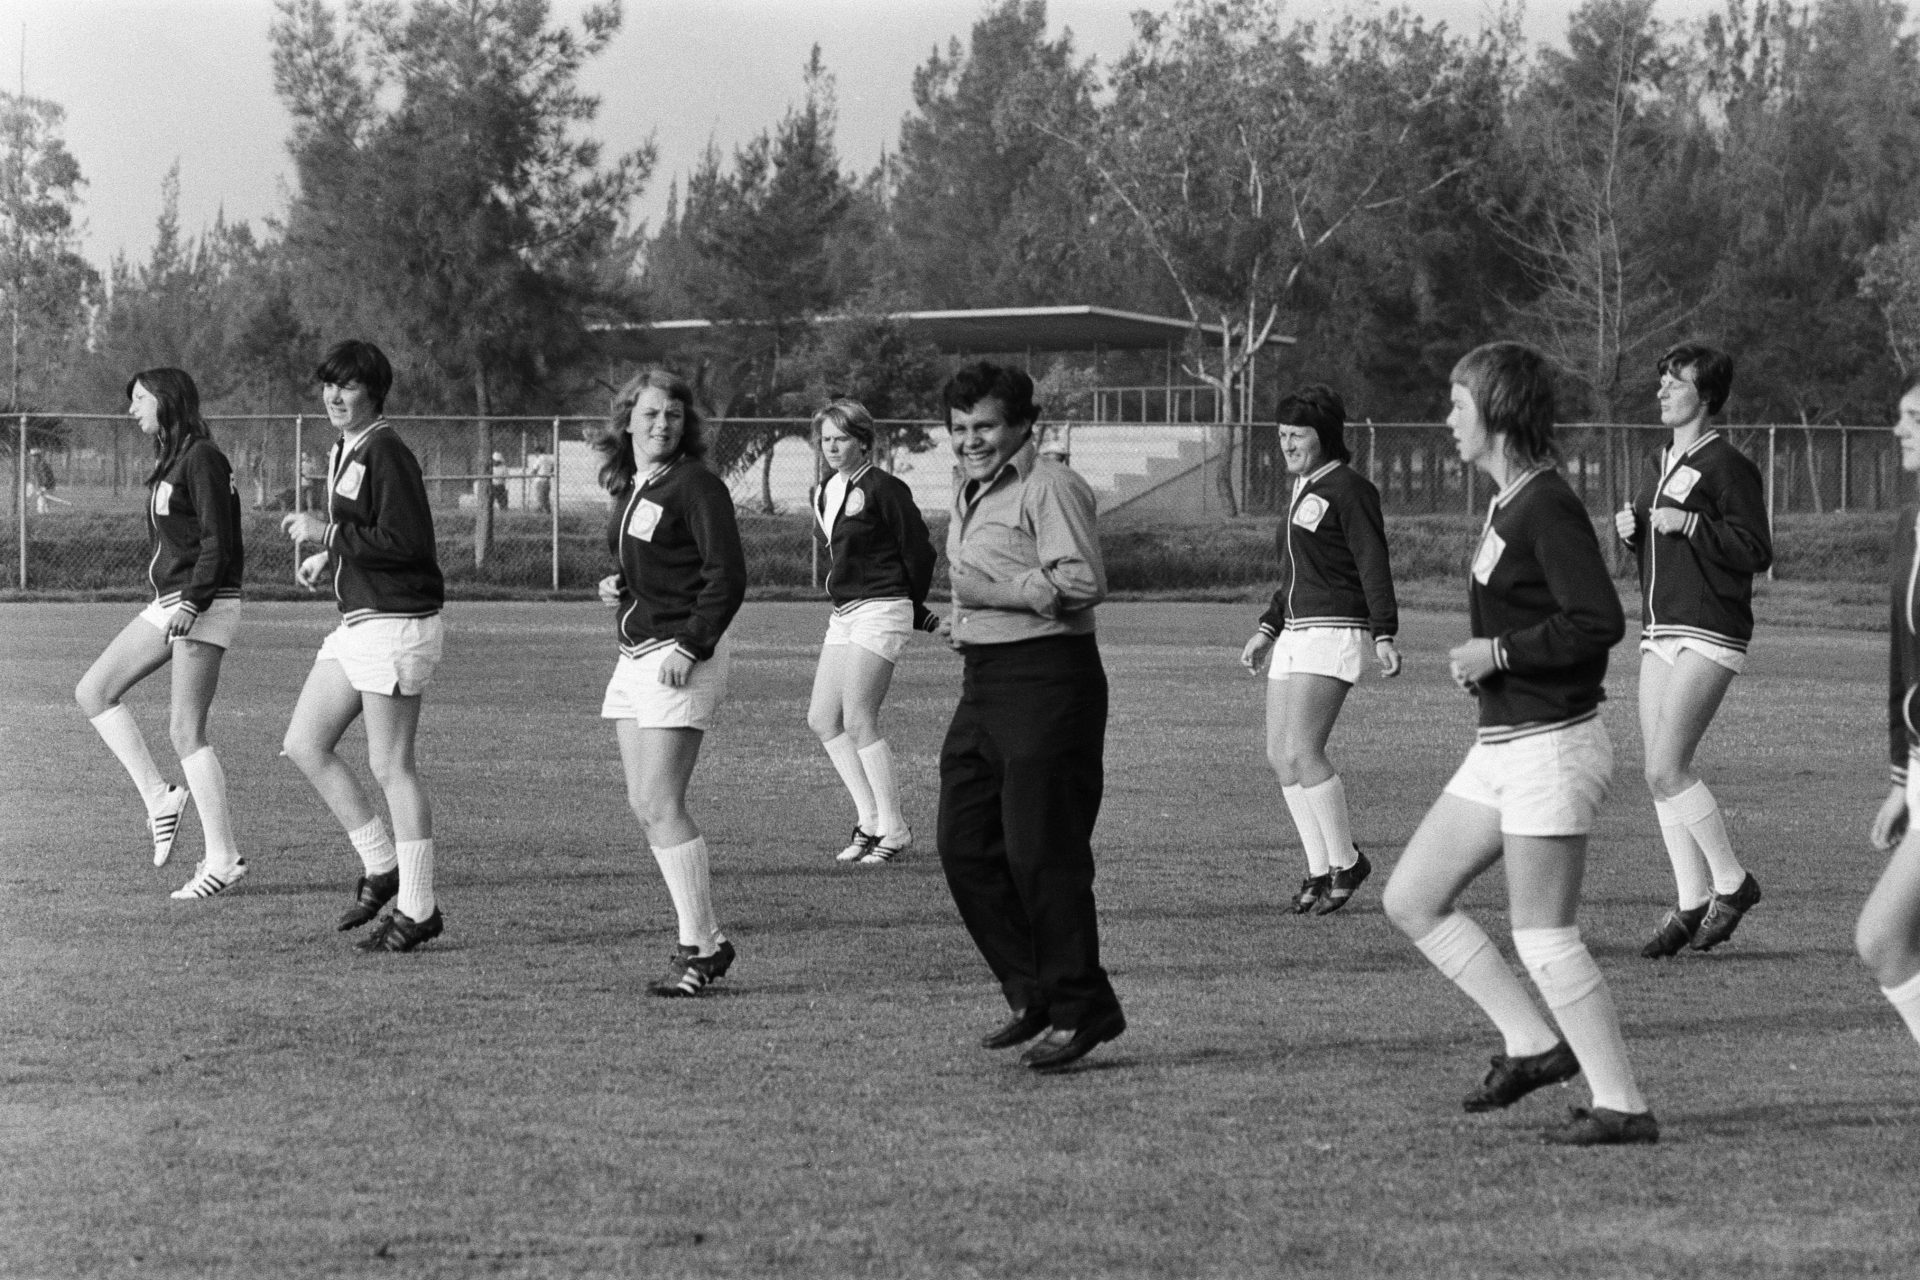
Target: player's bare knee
{"type": "Point", "coordinates": [825, 724]}
{"type": "Point", "coordinates": [1665, 778]}
{"type": "Point", "coordinates": [1881, 949]}
{"type": "Point", "coordinates": [861, 726]}
{"type": "Point", "coordinates": [92, 698]}
{"type": "Point", "coordinates": [189, 735]}
{"type": "Point", "coordinates": [1408, 909]}
{"type": "Point", "coordinates": [308, 756]}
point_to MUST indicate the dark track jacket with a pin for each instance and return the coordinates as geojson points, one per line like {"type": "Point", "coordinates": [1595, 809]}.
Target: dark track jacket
{"type": "Point", "coordinates": [1334, 570]}
{"type": "Point", "coordinates": [879, 547]}
{"type": "Point", "coordinates": [1540, 590]}
{"type": "Point", "coordinates": [1699, 583]}
{"type": "Point", "coordinates": [1903, 647]}
{"type": "Point", "coordinates": [193, 515]}
{"type": "Point", "coordinates": [682, 571]}
{"type": "Point", "coordinates": [385, 564]}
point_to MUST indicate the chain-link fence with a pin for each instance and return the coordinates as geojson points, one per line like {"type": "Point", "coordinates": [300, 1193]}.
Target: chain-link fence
{"type": "Point", "coordinates": [518, 504]}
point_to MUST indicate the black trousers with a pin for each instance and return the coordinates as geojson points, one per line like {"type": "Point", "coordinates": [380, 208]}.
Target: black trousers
{"type": "Point", "coordinates": [1021, 775]}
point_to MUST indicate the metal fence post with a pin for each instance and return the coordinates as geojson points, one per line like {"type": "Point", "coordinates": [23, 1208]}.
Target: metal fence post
{"type": "Point", "coordinates": [1772, 463]}
{"type": "Point", "coordinates": [20, 489]}
{"type": "Point", "coordinates": [553, 501]}
{"type": "Point", "coordinates": [1843, 468]}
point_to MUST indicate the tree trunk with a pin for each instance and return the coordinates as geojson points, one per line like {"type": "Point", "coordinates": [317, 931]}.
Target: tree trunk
{"type": "Point", "coordinates": [1223, 413]}
{"type": "Point", "coordinates": [483, 471]}
{"type": "Point", "coordinates": [766, 479]}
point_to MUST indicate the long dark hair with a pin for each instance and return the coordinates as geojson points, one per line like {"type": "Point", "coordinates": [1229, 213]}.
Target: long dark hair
{"type": "Point", "coordinates": [616, 446]}
{"type": "Point", "coordinates": [179, 414]}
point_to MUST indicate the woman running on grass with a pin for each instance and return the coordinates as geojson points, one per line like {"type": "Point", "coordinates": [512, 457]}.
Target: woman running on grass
{"type": "Point", "coordinates": [880, 566]}
{"type": "Point", "coordinates": [681, 579]}
{"type": "Point", "coordinates": [377, 538]}
{"type": "Point", "coordinates": [193, 516]}
{"type": "Point", "coordinates": [1888, 934]}
{"type": "Point", "coordinates": [1544, 613]}
{"type": "Point", "coordinates": [1700, 533]}
{"type": "Point", "coordinates": [1335, 602]}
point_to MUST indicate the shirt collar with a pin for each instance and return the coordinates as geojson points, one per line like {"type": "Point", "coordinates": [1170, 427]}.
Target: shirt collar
{"type": "Point", "coordinates": [1516, 484]}
{"type": "Point", "coordinates": [1021, 463]}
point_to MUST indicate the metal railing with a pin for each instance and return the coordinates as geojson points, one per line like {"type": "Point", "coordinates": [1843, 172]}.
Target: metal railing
{"type": "Point", "coordinates": [517, 500]}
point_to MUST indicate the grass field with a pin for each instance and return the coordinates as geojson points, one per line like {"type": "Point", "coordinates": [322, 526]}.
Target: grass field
{"type": "Point", "coordinates": [228, 1089]}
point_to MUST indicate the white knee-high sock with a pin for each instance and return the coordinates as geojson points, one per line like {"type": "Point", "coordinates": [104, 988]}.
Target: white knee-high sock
{"type": "Point", "coordinates": [121, 732]}
{"type": "Point", "coordinates": [208, 782]}
{"type": "Point", "coordinates": [375, 847]}
{"type": "Point", "coordinates": [1906, 999]}
{"type": "Point", "coordinates": [686, 870]}
{"type": "Point", "coordinates": [846, 761]}
{"type": "Point", "coordinates": [1701, 812]}
{"type": "Point", "coordinates": [1570, 983]}
{"type": "Point", "coordinates": [1690, 875]}
{"type": "Point", "coordinates": [1465, 956]}
{"type": "Point", "coordinates": [1328, 801]}
{"type": "Point", "coordinates": [416, 900]}
{"type": "Point", "coordinates": [1308, 826]}
{"type": "Point", "coordinates": [876, 758]}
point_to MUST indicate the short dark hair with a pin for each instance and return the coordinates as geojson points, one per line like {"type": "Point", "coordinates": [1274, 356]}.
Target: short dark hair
{"type": "Point", "coordinates": [1319, 406]}
{"type": "Point", "coordinates": [616, 444]}
{"type": "Point", "coordinates": [178, 413]}
{"type": "Point", "coordinates": [984, 380]}
{"type": "Point", "coordinates": [1913, 383]}
{"type": "Point", "coordinates": [361, 362]}
{"type": "Point", "coordinates": [1712, 371]}
{"type": "Point", "coordinates": [851, 417]}
{"type": "Point", "coordinates": [1512, 386]}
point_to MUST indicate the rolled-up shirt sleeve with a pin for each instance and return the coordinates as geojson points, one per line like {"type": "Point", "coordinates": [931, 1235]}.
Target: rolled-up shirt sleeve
{"type": "Point", "coordinates": [1071, 575]}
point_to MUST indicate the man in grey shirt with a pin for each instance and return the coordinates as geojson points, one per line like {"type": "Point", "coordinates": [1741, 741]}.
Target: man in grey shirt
{"type": "Point", "coordinates": [1023, 765]}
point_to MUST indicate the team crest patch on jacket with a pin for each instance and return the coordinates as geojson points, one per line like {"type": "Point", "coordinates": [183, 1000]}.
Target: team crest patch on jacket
{"type": "Point", "coordinates": [350, 480]}
{"type": "Point", "coordinates": [645, 519]}
{"type": "Point", "coordinates": [1492, 547]}
{"type": "Point", "coordinates": [856, 502]}
{"type": "Point", "coordinates": [1311, 511]}
{"type": "Point", "coordinates": [1680, 484]}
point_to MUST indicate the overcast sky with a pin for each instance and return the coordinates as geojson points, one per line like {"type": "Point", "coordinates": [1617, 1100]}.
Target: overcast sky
{"type": "Point", "coordinates": [148, 82]}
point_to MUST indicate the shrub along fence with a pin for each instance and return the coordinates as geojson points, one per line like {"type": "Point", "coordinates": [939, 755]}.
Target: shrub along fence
{"type": "Point", "coordinates": [518, 506]}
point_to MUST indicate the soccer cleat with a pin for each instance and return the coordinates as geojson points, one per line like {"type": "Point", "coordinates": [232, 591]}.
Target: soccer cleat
{"type": "Point", "coordinates": [1676, 931]}
{"type": "Point", "coordinates": [207, 883]}
{"type": "Point", "coordinates": [859, 845]}
{"type": "Point", "coordinates": [1312, 890]}
{"type": "Point", "coordinates": [164, 822]}
{"type": "Point", "coordinates": [886, 849]}
{"type": "Point", "coordinates": [1342, 882]}
{"type": "Point", "coordinates": [1514, 1078]}
{"type": "Point", "coordinates": [372, 893]}
{"type": "Point", "coordinates": [398, 931]}
{"type": "Point", "coordinates": [689, 973]}
{"type": "Point", "coordinates": [1724, 911]}
{"type": "Point", "coordinates": [1601, 1127]}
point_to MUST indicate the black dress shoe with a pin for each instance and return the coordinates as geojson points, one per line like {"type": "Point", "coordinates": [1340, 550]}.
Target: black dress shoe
{"type": "Point", "coordinates": [1064, 1045]}
{"type": "Point", "coordinates": [1022, 1027]}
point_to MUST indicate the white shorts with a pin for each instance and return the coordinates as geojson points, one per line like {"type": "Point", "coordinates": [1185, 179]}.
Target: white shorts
{"type": "Point", "coordinates": [1545, 784]}
{"type": "Point", "coordinates": [217, 625]}
{"type": "Point", "coordinates": [1913, 787]}
{"type": "Point", "coordinates": [1339, 653]}
{"type": "Point", "coordinates": [387, 655]}
{"type": "Point", "coordinates": [635, 692]}
{"type": "Point", "coordinates": [881, 627]}
{"type": "Point", "coordinates": [1667, 649]}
